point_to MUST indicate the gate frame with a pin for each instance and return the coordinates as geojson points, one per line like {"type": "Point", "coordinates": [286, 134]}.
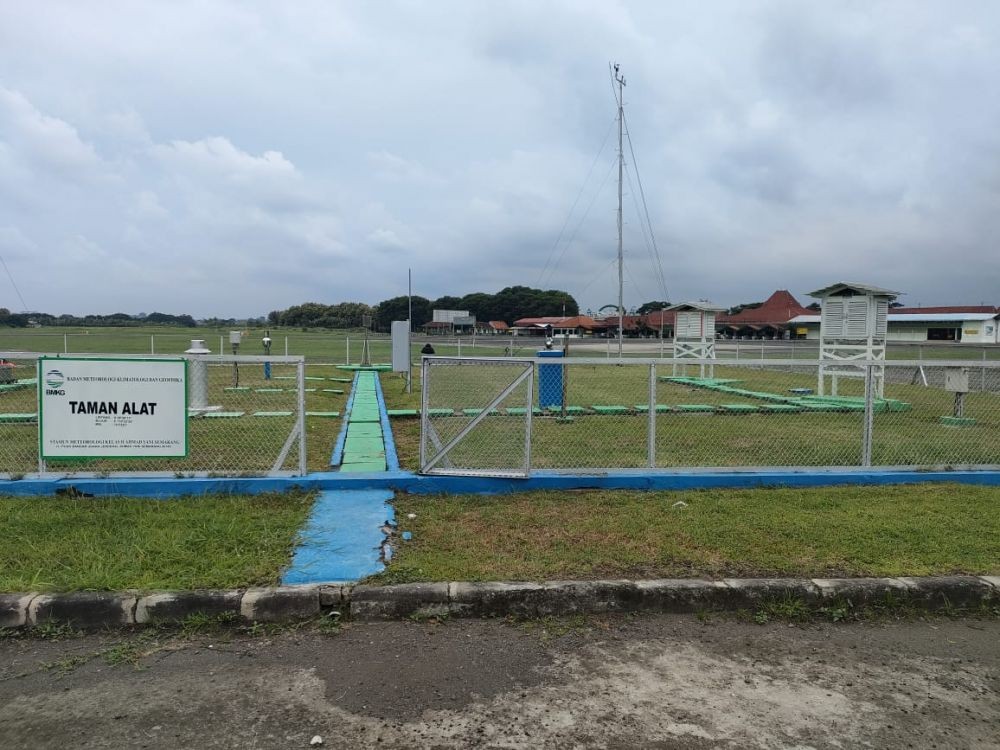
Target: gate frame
{"type": "Point", "coordinates": [427, 432]}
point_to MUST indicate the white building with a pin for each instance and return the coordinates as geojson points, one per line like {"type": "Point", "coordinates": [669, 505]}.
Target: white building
{"type": "Point", "coordinates": [930, 325]}
{"type": "Point", "coordinates": [455, 317]}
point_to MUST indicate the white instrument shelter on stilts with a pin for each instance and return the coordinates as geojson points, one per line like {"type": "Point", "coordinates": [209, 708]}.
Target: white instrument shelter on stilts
{"type": "Point", "coordinates": [694, 334]}
{"type": "Point", "coordinates": [853, 319]}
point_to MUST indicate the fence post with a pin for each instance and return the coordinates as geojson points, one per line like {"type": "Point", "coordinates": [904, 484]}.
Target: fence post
{"type": "Point", "coordinates": [982, 374]}
{"type": "Point", "coordinates": [425, 383]}
{"type": "Point", "coordinates": [869, 418]}
{"type": "Point", "coordinates": [301, 372]}
{"type": "Point", "coordinates": [286, 346]}
{"type": "Point", "coordinates": [651, 433]}
{"type": "Point", "coordinates": [65, 343]}
{"type": "Point", "coordinates": [152, 344]}
{"type": "Point", "coordinates": [529, 406]}
{"type": "Point", "coordinates": [38, 411]}
{"type": "Point", "coordinates": [348, 350]}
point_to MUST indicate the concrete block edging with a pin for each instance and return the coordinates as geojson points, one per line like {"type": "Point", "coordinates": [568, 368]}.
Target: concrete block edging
{"type": "Point", "coordinates": [102, 609]}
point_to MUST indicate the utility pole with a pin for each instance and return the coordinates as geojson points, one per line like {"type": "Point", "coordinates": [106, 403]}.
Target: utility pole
{"type": "Point", "coordinates": [620, 80]}
{"type": "Point", "coordinates": [409, 329]}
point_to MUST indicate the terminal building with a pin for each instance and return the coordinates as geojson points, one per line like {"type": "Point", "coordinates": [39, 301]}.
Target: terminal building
{"type": "Point", "coordinates": [970, 324]}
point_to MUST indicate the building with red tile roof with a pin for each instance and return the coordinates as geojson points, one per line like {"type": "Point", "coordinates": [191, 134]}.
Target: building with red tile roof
{"type": "Point", "coordinates": [770, 320]}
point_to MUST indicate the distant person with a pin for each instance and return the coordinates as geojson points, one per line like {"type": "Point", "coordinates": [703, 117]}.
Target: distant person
{"type": "Point", "coordinates": [428, 349]}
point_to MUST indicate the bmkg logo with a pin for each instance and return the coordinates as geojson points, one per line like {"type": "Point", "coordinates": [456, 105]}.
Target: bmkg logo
{"type": "Point", "coordinates": [54, 379]}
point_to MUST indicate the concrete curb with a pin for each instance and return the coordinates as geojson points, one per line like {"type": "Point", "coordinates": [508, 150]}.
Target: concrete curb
{"type": "Point", "coordinates": [91, 610]}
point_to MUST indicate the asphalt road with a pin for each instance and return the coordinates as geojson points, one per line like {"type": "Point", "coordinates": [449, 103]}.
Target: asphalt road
{"type": "Point", "coordinates": [648, 682]}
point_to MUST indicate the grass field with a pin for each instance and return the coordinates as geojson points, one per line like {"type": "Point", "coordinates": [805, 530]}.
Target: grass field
{"type": "Point", "coordinates": [64, 544]}
{"type": "Point", "coordinates": [911, 437]}
{"type": "Point", "coordinates": [844, 531]}
{"type": "Point", "coordinates": [317, 345]}
{"type": "Point", "coordinates": [322, 345]}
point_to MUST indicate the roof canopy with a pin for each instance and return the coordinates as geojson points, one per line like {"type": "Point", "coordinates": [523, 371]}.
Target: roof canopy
{"type": "Point", "coordinates": [850, 286]}
{"type": "Point", "coordinates": [700, 306]}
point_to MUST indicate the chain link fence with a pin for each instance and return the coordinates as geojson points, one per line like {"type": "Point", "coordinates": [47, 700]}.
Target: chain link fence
{"type": "Point", "coordinates": [245, 418]}
{"type": "Point", "coordinates": [476, 416]}
{"type": "Point", "coordinates": [592, 415]}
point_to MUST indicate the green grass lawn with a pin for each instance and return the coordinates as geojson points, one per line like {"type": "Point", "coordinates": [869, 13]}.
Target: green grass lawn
{"type": "Point", "coordinates": [65, 544]}
{"type": "Point", "coordinates": [930, 529]}
{"type": "Point", "coordinates": [317, 345]}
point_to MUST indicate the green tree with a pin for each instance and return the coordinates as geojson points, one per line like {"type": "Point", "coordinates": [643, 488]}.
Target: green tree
{"type": "Point", "coordinates": [648, 307]}
{"type": "Point", "coordinates": [447, 303]}
{"type": "Point", "coordinates": [480, 304]}
{"type": "Point", "coordinates": [396, 309]}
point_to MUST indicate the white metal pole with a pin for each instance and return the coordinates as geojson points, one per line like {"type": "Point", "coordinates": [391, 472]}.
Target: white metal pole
{"type": "Point", "coordinates": [425, 420]}
{"type": "Point", "coordinates": [152, 344]}
{"type": "Point", "coordinates": [301, 379]}
{"type": "Point", "coordinates": [65, 343]}
{"type": "Point", "coordinates": [651, 436]}
{"type": "Point", "coordinates": [286, 346]}
{"type": "Point", "coordinates": [621, 164]}
{"type": "Point", "coordinates": [409, 330]}
{"type": "Point", "coordinates": [869, 417]}
{"type": "Point", "coordinates": [348, 350]}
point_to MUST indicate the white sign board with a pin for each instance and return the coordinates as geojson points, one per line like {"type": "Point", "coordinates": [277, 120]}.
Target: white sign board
{"type": "Point", "coordinates": [112, 408]}
{"type": "Point", "coordinates": [400, 346]}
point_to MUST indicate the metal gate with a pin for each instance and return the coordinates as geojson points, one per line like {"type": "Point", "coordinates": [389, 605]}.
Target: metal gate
{"type": "Point", "coordinates": [475, 416]}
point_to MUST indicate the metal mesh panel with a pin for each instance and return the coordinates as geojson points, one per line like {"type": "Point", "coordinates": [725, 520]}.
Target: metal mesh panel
{"type": "Point", "coordinates": [752, 413]}
{"type": "Point", "coordinates": [18, 415]}
{"type": "Point", "coordinates": [475, 416]}
{"type": "Point", "coordinates": [251, 420]}
{"type": "Point", "coordinates": [602, 425]}
{"type": "Point", "coordinates": [921, 422]}
{"type": "Point", "coordinates": [245, 425]}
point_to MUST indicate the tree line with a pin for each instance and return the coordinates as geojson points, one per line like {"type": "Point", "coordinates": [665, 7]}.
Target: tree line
{"type": "Point", "coordinates": [23, 320]}
{"type": "Point", "coordinates": [507, 305]}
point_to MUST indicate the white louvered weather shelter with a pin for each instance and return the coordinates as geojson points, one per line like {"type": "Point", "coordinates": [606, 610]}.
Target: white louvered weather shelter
{"type": "Point", "coordinates": [853, 321]}
{"type": "Point", "coordinates": [694, 334]}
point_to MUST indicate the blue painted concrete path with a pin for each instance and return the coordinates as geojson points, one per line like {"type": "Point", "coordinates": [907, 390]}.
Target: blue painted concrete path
{"type": "Point", "coordinates": [342, 540]}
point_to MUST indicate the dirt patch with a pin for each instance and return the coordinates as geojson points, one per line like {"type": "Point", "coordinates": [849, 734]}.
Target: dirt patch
{"type": "Point", "coordinates": [664, 682]}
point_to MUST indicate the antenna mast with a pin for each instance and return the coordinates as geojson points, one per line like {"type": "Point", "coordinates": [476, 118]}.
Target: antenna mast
{"type": "Point", "coordinates": [620, 80]}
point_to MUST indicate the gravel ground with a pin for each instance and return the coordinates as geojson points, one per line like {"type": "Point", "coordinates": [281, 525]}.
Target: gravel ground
{"type": "Point", "coordinates": [646, 682]}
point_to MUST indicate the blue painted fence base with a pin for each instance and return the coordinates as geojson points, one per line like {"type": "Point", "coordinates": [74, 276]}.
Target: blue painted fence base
{"type": "Point", "coordinates": [404, 481]}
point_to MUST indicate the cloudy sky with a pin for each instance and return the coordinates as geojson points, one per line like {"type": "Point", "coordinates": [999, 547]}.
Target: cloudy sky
{"type": "Point", "coordinates": [219, 158]}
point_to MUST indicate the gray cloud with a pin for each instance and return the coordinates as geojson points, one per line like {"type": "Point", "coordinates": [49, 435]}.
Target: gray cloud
{"type": "Point", "coordinates": [233, 158]}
